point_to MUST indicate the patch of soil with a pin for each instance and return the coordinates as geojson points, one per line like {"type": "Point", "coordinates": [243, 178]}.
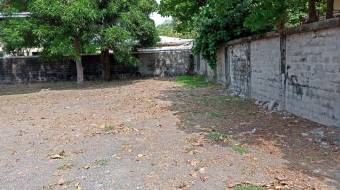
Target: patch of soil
{"type": "Point", "coordinates": [153, 134]}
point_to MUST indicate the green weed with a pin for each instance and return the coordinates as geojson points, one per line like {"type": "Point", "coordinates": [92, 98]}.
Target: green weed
{"type": "Point", "coordinates": [248, 187]}
{"type": "Point", "coordinates": [109, 128]}
{"type": "Point", "coordinates": [240, 149]}
{"type": "Point", "coordinates": [195, 81]}
{"type": "Point", "coordinates": [219, 137]}
{"type": "Point", "coordinates": [102, 162]}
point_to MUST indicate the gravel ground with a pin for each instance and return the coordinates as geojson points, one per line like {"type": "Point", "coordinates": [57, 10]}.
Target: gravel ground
{"type": "Point", "coordinates": [154, 134]}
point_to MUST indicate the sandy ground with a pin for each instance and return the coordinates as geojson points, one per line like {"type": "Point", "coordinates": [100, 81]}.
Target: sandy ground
{"type": "Point", "coordinates": [153, 134]}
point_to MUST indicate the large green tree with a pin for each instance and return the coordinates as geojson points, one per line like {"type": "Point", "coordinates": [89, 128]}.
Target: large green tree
{"type": "Point", "coordinates": [124, 25]}
{"type": "Point", "coordinates": [65, 28]}
{"type": "Point", "coordinates": [217, 21]}
{"type": "Point", "coordinates": [71, 28]}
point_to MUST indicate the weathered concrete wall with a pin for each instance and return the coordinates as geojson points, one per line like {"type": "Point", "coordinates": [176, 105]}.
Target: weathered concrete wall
{"type": "Point", "coordinates": [313, 85]}
{"type": "Point", "coordinates": [35, 69]}
{"type": "Point", "coordinates": [240, 70]}
{"type": "Point", "coordinates": [202, 68]}
{"type": "Point", "coordinates": [266, 70]}
{"type": "Point", "coordinates": [165, 63]}
{"type": "Point", "coordinates": [221, 66]}
{"type": "Point", "coordinates": [299, 70]}
{"type": "Point", "coordinates": [32, 69]}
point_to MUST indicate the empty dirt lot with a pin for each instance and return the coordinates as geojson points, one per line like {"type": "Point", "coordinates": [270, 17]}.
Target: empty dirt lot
{"type": "Point", "coordinates": [156, 134]}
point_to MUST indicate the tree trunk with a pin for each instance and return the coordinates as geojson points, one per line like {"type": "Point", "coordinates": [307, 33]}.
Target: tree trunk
{"type": "Point", "coordinates": [79, 65]}
{"type": "Point", "coordinates": [80, 71]}
{"type": "Point", "coordinates": [106, 65]}
{"type": "Point", "coordinates": [330, 9]}
{"type": "Point", "coordinates": [312, 14]}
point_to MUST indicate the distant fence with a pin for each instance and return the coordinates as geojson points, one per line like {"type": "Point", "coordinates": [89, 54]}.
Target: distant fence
{"type": "Point", "coordinates": [36, 69]}
{"type": "Point", "coordinates": [299, 71]}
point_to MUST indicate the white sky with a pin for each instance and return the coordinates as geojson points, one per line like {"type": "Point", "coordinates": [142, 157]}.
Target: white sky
{"type": "Point", "coordinates": [158, 18]}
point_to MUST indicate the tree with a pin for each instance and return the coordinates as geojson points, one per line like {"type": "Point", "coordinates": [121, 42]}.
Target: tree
{"type": "Point", "coordinates": [65, 28]}
{"type": "Point", "coordinates": [74, 27]}
{"type": "Point", "coordinates": [169, 29]}
{"type": "Point", "coordinates": [219, 21]}
{"type": "Point", "coordinates": [124, 25]}
{"type": "Point", "coordinates": [16, 34]}
{"type": "Point", "coordinates": [266, 15]}
{"type": "Point", "coordinates": [183, 11]}
{"type": "Point", "coordinates": [312, 13]}
{"type": "Point", "coordinates": [330, 9]}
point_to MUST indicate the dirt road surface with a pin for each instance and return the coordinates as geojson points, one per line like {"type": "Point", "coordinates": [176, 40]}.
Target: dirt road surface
{"type": "Point", "coordinates": [156, 134]}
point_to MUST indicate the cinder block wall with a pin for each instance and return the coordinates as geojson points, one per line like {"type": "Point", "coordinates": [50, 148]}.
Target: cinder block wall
{"type": "Point", "coordinates": [299, 69]}
{"type": "Point", "coordinates": [313, 83]}
{"type": "Point", "coordinates": [35, 69]}
{"type": "Point", "coordinates": [266, 70]}
{"type": "Point", "coordinates": [165, 63]}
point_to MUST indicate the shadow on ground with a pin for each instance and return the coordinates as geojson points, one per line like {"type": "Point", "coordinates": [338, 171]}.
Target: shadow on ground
{"type": "Point", "coordinates": [18, 89]}
{"type": "Point", "coordinates": [212, 112]}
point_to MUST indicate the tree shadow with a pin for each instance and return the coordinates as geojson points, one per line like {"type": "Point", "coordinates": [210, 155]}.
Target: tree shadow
{"type": "Point", "coordinates": [288, 137]}
{"type": "Point", "coordinates": [17, 89]}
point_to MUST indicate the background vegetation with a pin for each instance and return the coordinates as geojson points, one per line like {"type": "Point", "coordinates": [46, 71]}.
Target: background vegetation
{"type": "Point", "coordinates": [217, 21]}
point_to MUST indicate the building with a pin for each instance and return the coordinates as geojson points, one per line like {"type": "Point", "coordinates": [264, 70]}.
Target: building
{"type": "Point", "coordinates": [337, 7]}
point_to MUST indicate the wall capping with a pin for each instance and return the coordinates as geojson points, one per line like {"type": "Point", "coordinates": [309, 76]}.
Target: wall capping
{"type": "Point", "coordinates": [311, 27]}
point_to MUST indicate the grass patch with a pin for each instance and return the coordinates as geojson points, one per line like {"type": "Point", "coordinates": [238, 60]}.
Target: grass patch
{"type": "Point", "coordinates": [240, 149]}
{"type": "Point", "coordinates": [102, 162]}
{"type": "Point", "coordinates": [248, 187]}
{"type": "Point", "coordinates": [109, 128]}
{"type": "Point", "coordinates": [65, 167]}
{"type": "Point", "coordinates": [219, 137]}
{"type": "Point", "coordinates": [195, 81]}
{"type": "Point", "coordinates": [214, 114]}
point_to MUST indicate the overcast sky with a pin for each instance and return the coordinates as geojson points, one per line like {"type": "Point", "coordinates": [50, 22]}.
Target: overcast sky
{"type": "Point", "coordinates": [158, 18]}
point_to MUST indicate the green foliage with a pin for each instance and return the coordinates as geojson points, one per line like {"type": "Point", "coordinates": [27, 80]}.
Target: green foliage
{"type": "Point", "coordinates": [219, 137]}
{"type": "Point", "coordinates": [183, 11]}
{"type": "Point", "coordinates": [168, 29]}
{"type": "Point", "coordinates": [102, 162]}
{"type": "Point", "coordinates": [196, 81]}
{"type": "Point", "coordinates": [16, 35]}
{"type": "Point", "coordinates": [117, 25]}
{"type": "Point", "coordinates": [240, 149]}
{"type": "Point", "coordinates": [218, 21]}
{"type": "Point", "coordinates": [248, 187]}
{"type": "Point", "coordinates": [59, 23]}
{"type": "Point", "coordinates": [14, 5]}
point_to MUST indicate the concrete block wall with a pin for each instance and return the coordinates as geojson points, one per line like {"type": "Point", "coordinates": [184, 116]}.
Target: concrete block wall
{"type": "Point", "coordinates": [221, 77]}
{"type": "Point", "coordinates": [313, 85]}
{"type": "Point", "coordinates": [266, 70]}
{"type": "Point", "coordinates": [299, 70]}
{"type": "Point", "coordinates": [240, 70]}
{"type": "Point", "coordinates": [35, 69]}
{"type": "Point", "coordinates": [165, 63]}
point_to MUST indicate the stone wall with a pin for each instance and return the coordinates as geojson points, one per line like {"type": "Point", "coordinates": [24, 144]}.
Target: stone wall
{"type": "Point", "coordinates": [165, 63]}
{"type": "Point", "coordinates": [313, 83]}
{"type": "Point", "coordinates": [298, 71]}
{"type": "Point", "coordinates": [240, 70]}
{"type": "Point", "coordinates": [36, 69]}
{"type": "Point", "coordinates": [266, 70]}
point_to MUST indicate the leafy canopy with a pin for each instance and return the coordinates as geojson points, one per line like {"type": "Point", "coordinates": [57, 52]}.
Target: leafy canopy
{"type": "Point", "coordinates": [217, 21]}
{"type": "Point", "coordinates": [118, 25]}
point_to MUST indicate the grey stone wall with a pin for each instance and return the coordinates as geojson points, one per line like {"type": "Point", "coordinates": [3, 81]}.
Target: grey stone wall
{"type": "Point", "coordinates": [165, 63]}
{"type": "Point", "coordinates": [313, 84]}
{"type": "Point", "coordinates": [240, 70]}
{"type": "Point", "coordinates": [35, 69]}
{"type": "Point", "coordinates": [299, 70]}
{"type": "Point", "coordinates": [265, 70]}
